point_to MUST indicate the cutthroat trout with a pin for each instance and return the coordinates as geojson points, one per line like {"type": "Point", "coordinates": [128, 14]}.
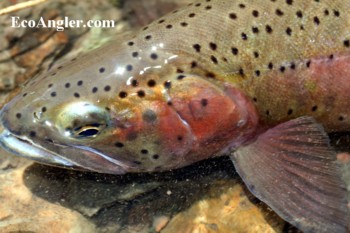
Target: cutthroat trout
{"type": "Point", "coordinates": [261, 81]}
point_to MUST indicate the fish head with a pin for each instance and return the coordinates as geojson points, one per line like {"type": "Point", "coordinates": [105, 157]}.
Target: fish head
{"type": "Point", "coordinates": [137, 111]}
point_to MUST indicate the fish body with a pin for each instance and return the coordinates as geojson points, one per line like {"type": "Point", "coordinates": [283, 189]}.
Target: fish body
{"type": "Point", "coordinates": [253, 79]}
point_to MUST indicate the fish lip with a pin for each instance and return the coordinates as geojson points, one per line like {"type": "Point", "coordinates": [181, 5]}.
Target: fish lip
{"type": "Point", "coordinates": [24, 147]}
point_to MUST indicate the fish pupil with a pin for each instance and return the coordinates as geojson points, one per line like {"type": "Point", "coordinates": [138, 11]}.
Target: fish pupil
{"type": "Point", "coordinates": [88, 133]}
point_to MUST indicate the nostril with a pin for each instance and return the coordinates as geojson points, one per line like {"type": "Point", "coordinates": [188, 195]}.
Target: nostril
{"type": "Point", "coordinates": [37, 115]}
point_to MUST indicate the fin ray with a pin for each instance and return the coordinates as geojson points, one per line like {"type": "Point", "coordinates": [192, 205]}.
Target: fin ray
{"type": "Point", "coordinates": [293, 169]}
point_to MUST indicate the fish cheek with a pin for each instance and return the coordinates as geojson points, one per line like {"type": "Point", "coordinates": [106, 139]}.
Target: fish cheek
{"type": "Point", "coordinates": [211, 113]}
{"type": "Point", "coordinates": [155, 137]}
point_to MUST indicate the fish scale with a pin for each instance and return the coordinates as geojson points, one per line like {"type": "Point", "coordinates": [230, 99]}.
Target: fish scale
{"type": "Point", "coordinates": [308, 41]}
{"type": "Point", "coordinates": [260, 81]}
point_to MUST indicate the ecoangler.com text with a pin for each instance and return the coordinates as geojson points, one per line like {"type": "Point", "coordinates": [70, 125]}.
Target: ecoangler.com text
{"type": "Point", "coordinates": [61, 24]}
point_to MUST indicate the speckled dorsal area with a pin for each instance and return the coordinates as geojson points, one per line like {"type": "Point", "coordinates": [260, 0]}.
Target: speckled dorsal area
{"type": "Point", "coordinates": [290, 56]}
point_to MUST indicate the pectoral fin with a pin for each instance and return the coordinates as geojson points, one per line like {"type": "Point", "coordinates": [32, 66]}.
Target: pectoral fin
{"type": "Point", "coordinates": [292, 168]}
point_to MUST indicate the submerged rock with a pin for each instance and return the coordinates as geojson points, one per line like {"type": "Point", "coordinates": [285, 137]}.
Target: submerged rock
{"type": "Point", "coordinates": [205, 197]}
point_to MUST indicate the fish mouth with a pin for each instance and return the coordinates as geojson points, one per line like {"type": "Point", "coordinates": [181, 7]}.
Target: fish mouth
{"type": "Point", "coordinates": [98, 162]}
{"type": "Point", "coordinates": [26, 148]}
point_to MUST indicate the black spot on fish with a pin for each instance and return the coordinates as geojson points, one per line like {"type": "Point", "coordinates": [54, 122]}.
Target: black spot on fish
{"type": "Point", "coordinates": [67, 85]}
{"type": "Point", "coordinates": [119, 144]}
{"type": "Point", "coordinates": [290, 112]}
{"type": "Point", "coordinates": [180, 77]}
{"type": "Point", "coordinates": [232, 16]}
{"type": "Point", "coordinates": [346, 43]}
{"type": "Point", "coordinates": [50, 85]}
{"type": "Point", "coordinates": [135, 54]}
{"type": "Point", "coordinates": [242, 6]}
{"type": "Point", "coordinates": [32, 134]}
{"type": "Point", "coordinates": [292, 66]}
{"type": "Point", "coordinates": [270, 65]}
{"type": "Point", "coordinates": [299, 14]}
{"type": "Point", "coordinates": [341, 118]}
{"type": "Point", "coordinates": [144, 151]}
{"type": "Point", "coordinates": [153, 56]}
{"type": "Point", "coordinates": [148, 37]}
{"type": "Point", "coordinates": [213, 46]}
{"type": "Point", "coordinates": [191, 15]}
{"type": "Point", "coordinates": [268, 29]}
{"type": "Point", "coordinates": [107, 88]}
{"type": "Point", "coordinates": [255, 30]}
{"type": "Point", "coordinates": [161, 21]}
{"type": "Point", "coordinates": [53, 94]}
{"type": "Point", "coordinates": [204, 102]}
{"type": "Point", "coordinates": [279, 12]}
{"type": "Point", "coordinates": [210, 75]}
{"type": "Point", "coordinates": [179, 138]}
{"type": "Point", "coordinates": [18, 115]}
{"type": "Point", "coordinates": [213, 59]}
{"type": "Point", "coordinates": [155, 156]}
{"type": "Point", "coordinates": [141, 93]}
{"type": "Point", "coordinates": [336, 13]}
{"type": "Point", "coordinates": [43, 109]}
{"type": "Point", "coordinates": [25, 94]}
{"type": "Point", "coordinates": [102, 70]}
{"type": "Point", "coordinates": [255, 13]}
{"type": "Point", "coordinates": [208, 7]}
{"type": "Point", "coordinates": [169, 26]}
{"type": "Point", "coordinates": [183, 24]}
{"type": "Point", "coordinates": [123, 94]}
{"type": "Point", "coordinates": [256, 54]}
{"type": "Point", "coordinates": [308, 63]}
{"type": "Point", "coordinates": [151, 83]}
{"type": "Point", "coordinates": [129, 67]}
{"type": "Point", "coordinates": [130, 43]}
{"type": "Point", "coordinates": [289, 31]}
{"type": "Point", "coordinates": [316, 20]}
{"type": "Point", "coordinates": [167, 84]}
{"type": "Point", "coordinates": [197, 47]}
{"type": "Point", "coordinates": [244, 36]}
{"type": "Point", "coordinates": [326, 12]}
{"type": "Point", "coordinates": [80, 83]}
{"type": "Point", "coordinates": [314, 108]}
{"type": "Point", "coordinates": [134, 83]}
{"type": "Point", "coordinates": [234, 51]}
{"type": "Point", "coordinates": [76, 95]}
{"type": "Point", "coordinates": [149, 116]}
{"type": "Point", "coordinates": [94, 89]}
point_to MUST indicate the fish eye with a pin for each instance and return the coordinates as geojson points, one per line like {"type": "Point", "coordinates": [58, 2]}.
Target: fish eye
{"type": "Point", "coordinates": [89, 130]}
{"type": "Point", "coordinates": [82, 121]}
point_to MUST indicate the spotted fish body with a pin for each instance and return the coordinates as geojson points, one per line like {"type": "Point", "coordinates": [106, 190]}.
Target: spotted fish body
{"type": "Point", "coordinates": [249, 78]}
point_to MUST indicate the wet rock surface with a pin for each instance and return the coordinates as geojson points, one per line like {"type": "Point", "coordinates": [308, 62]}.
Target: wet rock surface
{"type": "Point", "coordinates": [205, 197]}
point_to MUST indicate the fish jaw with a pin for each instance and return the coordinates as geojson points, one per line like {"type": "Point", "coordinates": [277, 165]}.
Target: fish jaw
{"type": "Point", "coordinates": [91, 160]}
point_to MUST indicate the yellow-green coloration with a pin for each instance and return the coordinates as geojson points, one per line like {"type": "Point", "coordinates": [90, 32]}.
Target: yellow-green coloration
{"type": "Point", "coordinates": [258, 80]}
